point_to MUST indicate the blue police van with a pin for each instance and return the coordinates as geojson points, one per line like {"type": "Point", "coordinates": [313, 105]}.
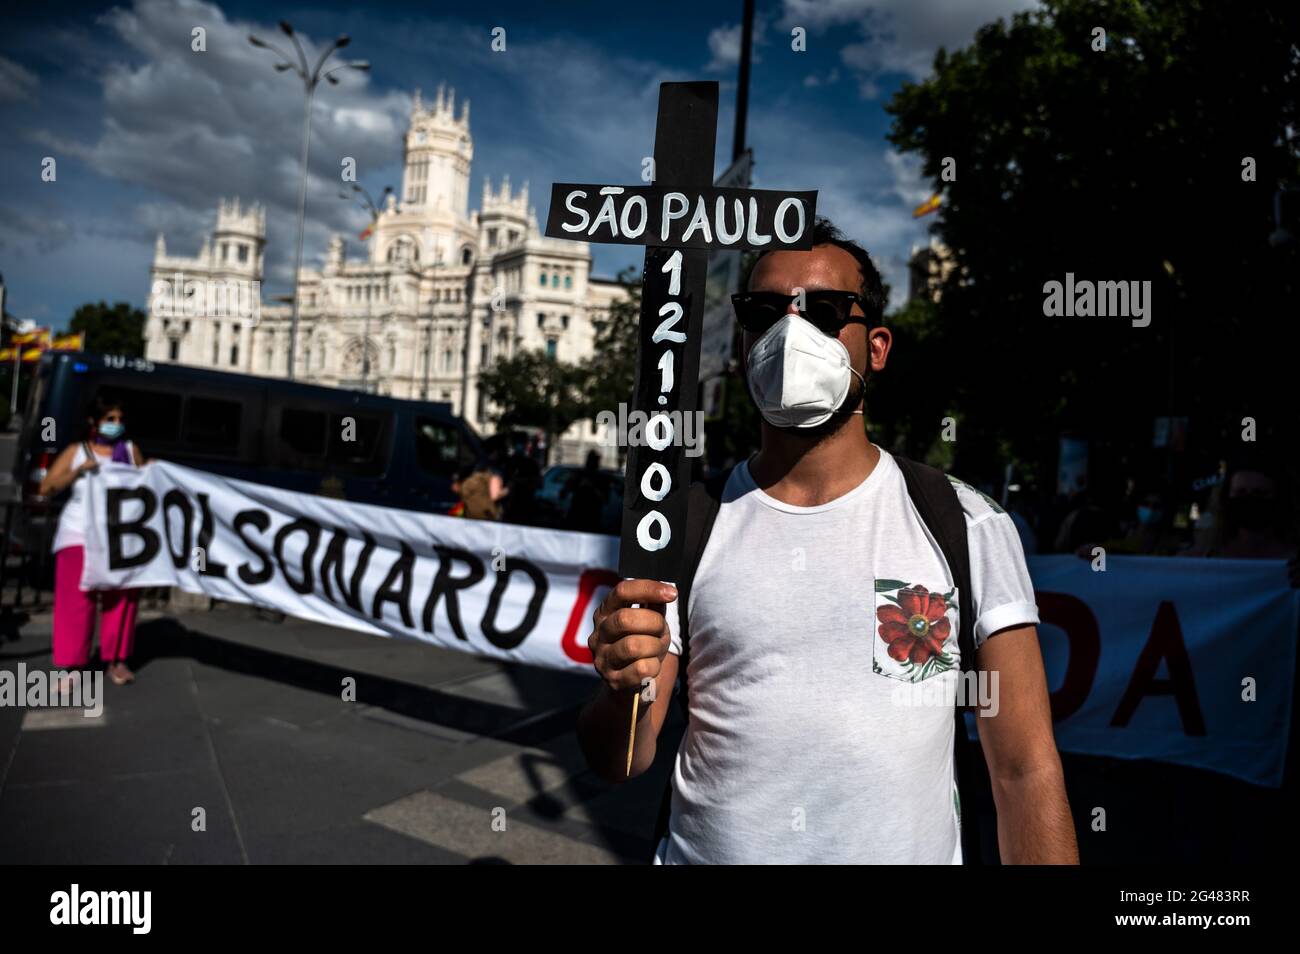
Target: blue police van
{"type": "Point", "coordinates": [286, 434]}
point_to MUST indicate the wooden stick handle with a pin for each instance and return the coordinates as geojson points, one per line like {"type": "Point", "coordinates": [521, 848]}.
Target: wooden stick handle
{"type": "Point", "coordinates": [631, 735]}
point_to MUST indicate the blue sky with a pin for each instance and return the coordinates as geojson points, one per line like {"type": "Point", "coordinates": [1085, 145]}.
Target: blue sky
{"type": "Point", "coordinates": [148, 134]}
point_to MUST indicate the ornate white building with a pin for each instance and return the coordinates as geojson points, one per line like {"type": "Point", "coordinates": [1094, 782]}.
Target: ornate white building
{"type": "Point", "coordinates": [440, 293]}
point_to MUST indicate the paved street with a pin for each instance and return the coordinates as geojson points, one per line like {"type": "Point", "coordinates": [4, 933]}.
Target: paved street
{"type": "Point", "coordinates": [243, 717]}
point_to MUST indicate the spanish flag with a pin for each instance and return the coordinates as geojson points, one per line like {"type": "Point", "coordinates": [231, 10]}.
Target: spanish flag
{"type": "Point", "coordinates": [75, 342]}
{"type": "Point", "coordinates": [7, 354]}
{"type": "Point", "coordinates": [39, 336]}
{"type": "Point", "coordinates": [367, 232]}
{"type": "Point", "coordinates": [929, 205]}
{"type": "Point", "coordinates": [33, 354]}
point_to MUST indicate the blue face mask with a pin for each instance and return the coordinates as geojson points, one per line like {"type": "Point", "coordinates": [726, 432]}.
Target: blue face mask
{"type": "Point", "coordinates": [112, 430]}
{"type": "Point", "coordinates": [1148, 515]}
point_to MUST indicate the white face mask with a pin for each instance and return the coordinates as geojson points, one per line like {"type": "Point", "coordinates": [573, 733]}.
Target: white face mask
{"type": "Point", "coordinates": [797, 375]}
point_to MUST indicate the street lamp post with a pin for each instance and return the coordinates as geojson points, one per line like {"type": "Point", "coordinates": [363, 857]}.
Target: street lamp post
{"type": "Point", "coordinates": [366, 202]}
{"type": "Point", "coordinates": [310, 78]}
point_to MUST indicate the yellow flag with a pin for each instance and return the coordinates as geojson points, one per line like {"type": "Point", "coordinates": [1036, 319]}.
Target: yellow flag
{"type": "Point", "coordinates": [929, 205]}
{"type": "Point", "coordinates": [40, 335]}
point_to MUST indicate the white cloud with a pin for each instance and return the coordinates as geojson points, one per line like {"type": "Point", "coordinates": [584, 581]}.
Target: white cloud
{"type": "Point", "coordinates": [897, 36]}
{"type": "Point", "coordinates": [724, 45]}
{"type": "Point", "coordinates": [812, 80]}
{"type": "Point", "coordinates": [22, 234]}
{"type": "Point", "coordinates": [16, 82]}
{"type": "Point", "coordinates": [864, 187]}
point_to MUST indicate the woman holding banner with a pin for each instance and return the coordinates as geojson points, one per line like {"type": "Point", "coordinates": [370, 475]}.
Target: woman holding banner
{"type": "Point", "coordinates": [74, 610]}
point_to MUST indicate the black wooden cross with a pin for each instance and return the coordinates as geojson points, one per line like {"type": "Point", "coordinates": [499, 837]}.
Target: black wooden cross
{"type": "Point", "coordinates": [679, 218]}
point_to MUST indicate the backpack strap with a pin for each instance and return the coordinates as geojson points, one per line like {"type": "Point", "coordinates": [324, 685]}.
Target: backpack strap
{"type": "Point", "coordinates": [703, 503]}
{"type": "Point", "coordinates": [936, 501]}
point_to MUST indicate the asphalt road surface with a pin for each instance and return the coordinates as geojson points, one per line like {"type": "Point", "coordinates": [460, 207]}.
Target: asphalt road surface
{"type": "Point", "coordinates": [244, 718]}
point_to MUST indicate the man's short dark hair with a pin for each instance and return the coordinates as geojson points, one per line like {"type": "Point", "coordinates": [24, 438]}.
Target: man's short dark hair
{"type": "Point", "coordinates": [872, 290]}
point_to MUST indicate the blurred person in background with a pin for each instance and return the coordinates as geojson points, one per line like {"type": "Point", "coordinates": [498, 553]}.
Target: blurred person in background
{"type": "Point", "coordinates": [1083, 524]}
{"type": "Point", "coordinates": [457, 484]}
{"type": "Point", "coordinates": [587, 494]}
{"type": "Point", "coordinates": [523, 475]}
{"type": "Point", "coordinates": [1251, 519]}
{"type": "Point", "coordinates": [1150, 533]}
{"type": "Point", "coordinates": [104, 440]}
{"type": "Point", "coordinates": [483, 490]}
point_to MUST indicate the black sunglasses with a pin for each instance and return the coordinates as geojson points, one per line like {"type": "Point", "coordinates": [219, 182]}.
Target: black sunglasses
{"type": "Point", "coordinates": [828, 309]}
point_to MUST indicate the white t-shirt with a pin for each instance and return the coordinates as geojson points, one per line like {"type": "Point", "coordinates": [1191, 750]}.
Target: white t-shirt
{"type": "Point", "coordinates": [809, 626]}
{"type": "Point", "coordinates": [71, 530]}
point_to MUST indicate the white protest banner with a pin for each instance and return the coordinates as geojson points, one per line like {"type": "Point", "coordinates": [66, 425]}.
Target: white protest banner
{"type": "Point", "coordinates": [498, 590]}
{"type": "Point", "coordinates": [1190, 661]}
{"type": "Point", "coordinates": [1177, 659]}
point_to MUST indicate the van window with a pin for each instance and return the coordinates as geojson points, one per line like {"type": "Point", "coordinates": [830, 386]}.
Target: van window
{"type": "Point", "coordinates": [212, 425]}
{"type": "Point", "coordinates": [439, 448]}
{"type": "Point", "coordinates": [322, 440]}
{"type": "Point", "coordinates": [303, 433]}
{"type": "Point", "coordinates": [151, 416]}
{"type": "Point", "coordinates": [358, 448]}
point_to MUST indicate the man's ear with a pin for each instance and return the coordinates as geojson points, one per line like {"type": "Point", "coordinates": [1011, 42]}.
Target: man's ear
{"type": "Point", "coordinates": [879, 341]}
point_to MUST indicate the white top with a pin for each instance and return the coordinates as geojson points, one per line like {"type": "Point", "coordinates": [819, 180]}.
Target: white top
{"type": "Point", "coordinates": [71, 531]}
{"type": "Point", "coordinates": [809, 740]}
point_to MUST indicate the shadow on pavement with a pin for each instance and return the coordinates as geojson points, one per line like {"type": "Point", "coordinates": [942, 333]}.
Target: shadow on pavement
{"type": "Point", "coordinates": [168, 638]}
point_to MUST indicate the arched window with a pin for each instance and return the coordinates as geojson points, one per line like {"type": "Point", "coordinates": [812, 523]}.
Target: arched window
{"type": "Point", "coordinates": [465, 255]}
{"type": "Point", "coordinates": [555, 280]}
{"type": "Point", "coordinates": [403, 250]}
{"type": "Point", "coordinates": [543, 279]}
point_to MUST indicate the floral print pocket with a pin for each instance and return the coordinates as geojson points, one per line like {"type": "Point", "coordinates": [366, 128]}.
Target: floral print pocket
{"type": "Point", "coordinates": [915, 632]}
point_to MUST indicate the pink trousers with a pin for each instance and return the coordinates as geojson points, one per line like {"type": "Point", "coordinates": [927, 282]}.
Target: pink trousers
{"type": "Point", "coordinates": [74, 616]}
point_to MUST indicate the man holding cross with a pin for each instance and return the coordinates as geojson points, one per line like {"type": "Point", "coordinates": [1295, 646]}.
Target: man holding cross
{"type": "Point", "coordinates": [831, 598]}
{"type": "Point", "coordinates": [807, 741]}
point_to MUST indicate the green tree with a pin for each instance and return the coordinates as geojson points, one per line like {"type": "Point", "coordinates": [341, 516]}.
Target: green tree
{"type": "Point", "coordinates": [531, 389]}
{"type": "Point", "coordinates": [118, 329]}
{"type": "Point", "coordinates": [1122, 164]}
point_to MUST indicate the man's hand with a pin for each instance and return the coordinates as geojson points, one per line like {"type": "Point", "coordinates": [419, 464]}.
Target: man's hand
{"type": "Point", "coordinates": [628, 643]}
